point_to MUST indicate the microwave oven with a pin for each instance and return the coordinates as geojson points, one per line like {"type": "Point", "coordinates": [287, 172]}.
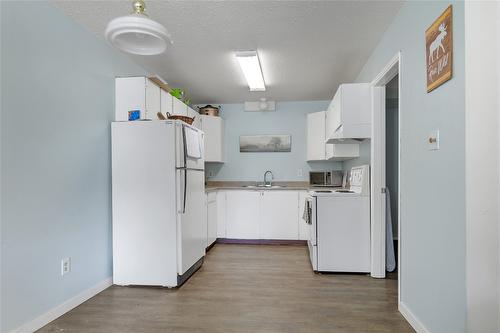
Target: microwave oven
{"type": "Point", "coordinates": [326, 178]}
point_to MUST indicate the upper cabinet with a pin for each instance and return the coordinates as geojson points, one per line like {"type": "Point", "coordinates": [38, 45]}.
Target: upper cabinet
{"type": "Point", "coordinates": [348, 117]}
{"type": "Point", "coordinates": [136, 94]}
{"type": "Point", "coordinates": [193, 114]}
{"type": "Point", "coordinates": [214, 137]}
{"type": "Point", "coordinates": [166, 101]}
{"type": "Point", "coordinates": [317, 149]}
{"type": "Point", "coordinates": [142, 94]}
{"type": "Point", "coordinates": [179, 108]}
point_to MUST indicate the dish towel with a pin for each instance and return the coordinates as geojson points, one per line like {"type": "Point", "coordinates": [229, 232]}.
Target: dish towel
{"type": "Point", "coordinates": [193, 143]}
{"type": "Point", "coordinates": [390, 258]}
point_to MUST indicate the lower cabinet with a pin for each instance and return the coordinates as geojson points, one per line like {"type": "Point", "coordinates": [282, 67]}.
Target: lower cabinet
{"type": "Point", "coordinates": [242, 214]}
{"type": "Point", "coordinates": [221, 214]}
{"type": "Point", "coordinates": [279, 211]}
{"type": "Point", "coordinates": [211, 218]}
{"type": "Point", "coordinates": [260, 214]}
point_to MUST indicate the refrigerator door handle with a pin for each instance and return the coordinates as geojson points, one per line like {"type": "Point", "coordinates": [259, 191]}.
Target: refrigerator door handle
{"type": "Point", "coordinates": [185, 192]}
{"type": "Point", "coordinates": [184, 148]}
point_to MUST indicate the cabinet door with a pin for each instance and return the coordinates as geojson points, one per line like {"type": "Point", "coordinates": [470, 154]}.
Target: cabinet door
{"type": "Point", "coordinates": [221, 214]}
{"type": "Point", "coordinates": [214, 133]}
{"type": "Point", "coordinates": [129, 95]}
{"type": "Point", "coordinates": [304, 228]}
{"type": "Point", "coordinates": [178, 107]}
{"type": "Point", "coordinates": [342, 152]}
{"type": "Point", "coordinates": [211, 218]}
{"type": "Point", "coordinates": [333, 115]}
{"type": "Point", "coordinates": [192, 113]}
{"type": "Point", "coordinates": [242, 214]}
{"type": "Point", "coordinates": [152, 100]}
{"type": "Point", "coordinates": [279, 215]}
{"type": "Point", "coordinates": [165, 102]}
{"type": "Point", "coordinates": [316, 136]}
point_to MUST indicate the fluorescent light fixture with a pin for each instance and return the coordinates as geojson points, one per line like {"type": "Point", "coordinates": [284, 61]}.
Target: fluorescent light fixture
{"type": "Point", "coordinates": [250, 65]}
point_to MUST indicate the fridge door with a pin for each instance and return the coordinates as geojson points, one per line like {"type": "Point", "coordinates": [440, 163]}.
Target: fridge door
{"type": "Point", "coordinates": [182, 159]}
{"type": "Point", "coordinates": [144, 211]}
{"type": "Point", "coordinates": [192, 232]}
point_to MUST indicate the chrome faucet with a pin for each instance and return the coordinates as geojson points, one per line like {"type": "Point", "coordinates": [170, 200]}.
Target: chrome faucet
{"type": "Point", "coordinates": [265, 178]}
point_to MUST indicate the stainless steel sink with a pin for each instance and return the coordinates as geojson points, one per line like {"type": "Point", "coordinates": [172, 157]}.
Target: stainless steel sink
{"type": "Point", "coordinates": [264, 186]}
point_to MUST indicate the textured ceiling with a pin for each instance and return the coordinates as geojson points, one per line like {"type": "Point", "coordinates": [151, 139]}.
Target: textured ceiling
{"type": "Point", "coordinates": [306, 48]}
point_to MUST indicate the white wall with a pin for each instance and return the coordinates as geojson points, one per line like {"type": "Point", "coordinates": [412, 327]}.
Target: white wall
{"type": "Point", "coordinates": [482, 65]}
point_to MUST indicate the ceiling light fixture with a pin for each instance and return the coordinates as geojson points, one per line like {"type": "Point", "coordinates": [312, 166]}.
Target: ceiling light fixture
{"type": "Point", "coordinates": [250, 65]}
{"type": "Point", "coordinates": [137, 33]}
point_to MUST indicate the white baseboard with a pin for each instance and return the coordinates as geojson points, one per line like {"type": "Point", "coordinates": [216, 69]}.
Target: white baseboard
{"type": "Point", "coordinates": [62, 308]}
{"type": "Point", "coordinates": [412, 319]}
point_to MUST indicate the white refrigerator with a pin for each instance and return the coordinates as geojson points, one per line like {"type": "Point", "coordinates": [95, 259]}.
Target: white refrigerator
{"type": "Point", "coordinates": [159, 235]}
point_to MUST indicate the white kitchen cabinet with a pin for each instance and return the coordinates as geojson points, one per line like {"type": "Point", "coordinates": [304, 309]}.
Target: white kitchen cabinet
{"type": "Point", "coordinates": [342, 152]}
{"type": "Point", "coordinates": [317, 149]}
{"type": "Point", "coordinates": [136, 93]}
{"type": "Point", "coordinates": [279, 211]}
{"type": "Point", "coordinates": [213, 127]}
{"type": "Point", "coordinates": [221, 214]}
{"type": "Point", "coordinates": [211, 218]}
{"type": "Point", "coordinates": [166, 102]}
{"type": "Point", "coordinates": [153, 102]}
{"type": "Point", "coordinates": [304, 228]}
{"type": "Point", "coordinates": [349, 114]}
{"type": "Point", "coordinates": [316, 136]}
{"type": "Point", "coordinates": [242, 214]}
{"type": "Point", "coordinates": [178, 107]}
{"type": "Point", "coordinates": [197, 120]}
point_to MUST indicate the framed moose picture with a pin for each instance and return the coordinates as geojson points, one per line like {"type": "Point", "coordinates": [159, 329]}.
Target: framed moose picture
{"type": "Point", "coordinates": [439, 47]}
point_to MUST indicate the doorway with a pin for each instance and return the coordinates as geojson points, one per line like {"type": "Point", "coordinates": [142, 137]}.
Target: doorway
{"type": "Point", "coordinates": [386, 170]}
{"type": "Point", "coordinates": [392, 172]}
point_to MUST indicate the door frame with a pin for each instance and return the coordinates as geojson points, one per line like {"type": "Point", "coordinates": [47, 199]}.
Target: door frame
{"type": "Point", "coordinates": [389, 71]}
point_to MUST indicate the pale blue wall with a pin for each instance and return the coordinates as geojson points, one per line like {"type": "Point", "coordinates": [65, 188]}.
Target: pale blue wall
{"type": "Point", "coordinates": [432, 182]}
{"type": "Point", "coordinates": [57, 103]}
{"type": "Point", "coordinates": [289, 118]}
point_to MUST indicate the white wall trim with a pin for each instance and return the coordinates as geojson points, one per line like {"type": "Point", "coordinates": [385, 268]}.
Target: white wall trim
{"type": "Point", "coordinates": [64, 307]}
{"type": "Point", "coordinates": [390, 70]}
{"type": "Point", "coordinates": [412, 319]}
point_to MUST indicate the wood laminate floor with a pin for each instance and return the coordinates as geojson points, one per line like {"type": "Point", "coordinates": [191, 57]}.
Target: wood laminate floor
{"type": "Point", "coordinates": [246, 288]}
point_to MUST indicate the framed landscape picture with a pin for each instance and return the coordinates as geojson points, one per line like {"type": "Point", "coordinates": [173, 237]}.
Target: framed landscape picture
{"type": "Point", "coordinates": [265, 143]}
{"type": "Point", "coordinates": [439, 46]}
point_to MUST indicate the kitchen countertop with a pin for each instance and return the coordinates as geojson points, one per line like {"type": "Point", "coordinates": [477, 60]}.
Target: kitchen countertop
{"type": "Point", "coordinates": [243, 185]}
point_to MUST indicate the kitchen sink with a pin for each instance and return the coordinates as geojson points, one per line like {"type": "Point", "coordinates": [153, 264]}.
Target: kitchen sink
{"type": "Point", "coordinates": [264, 186]}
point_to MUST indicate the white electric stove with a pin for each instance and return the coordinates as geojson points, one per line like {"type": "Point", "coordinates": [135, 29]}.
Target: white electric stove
{"type": "Point", "coordinates": [340, 225]}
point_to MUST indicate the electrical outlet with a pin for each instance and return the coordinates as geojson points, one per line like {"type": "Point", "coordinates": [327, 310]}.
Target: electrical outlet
{"type": "Point", "coordinates": [65, 266]}
{"type": "Point", "coordinates": [299, 173]}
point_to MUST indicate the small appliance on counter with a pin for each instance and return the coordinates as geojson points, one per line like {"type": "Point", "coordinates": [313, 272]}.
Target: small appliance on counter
{"type": "Point", "coordinates": [326, 178]}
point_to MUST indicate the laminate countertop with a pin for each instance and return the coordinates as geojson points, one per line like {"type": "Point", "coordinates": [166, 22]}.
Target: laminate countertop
{"type": "Point", "coordinates": [252, 186]}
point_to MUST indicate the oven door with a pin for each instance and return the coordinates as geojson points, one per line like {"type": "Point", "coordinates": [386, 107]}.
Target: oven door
{"type": "Point", "coordinates": [311, 242]}
{"type": "Point", "coordinates": [311, 208]}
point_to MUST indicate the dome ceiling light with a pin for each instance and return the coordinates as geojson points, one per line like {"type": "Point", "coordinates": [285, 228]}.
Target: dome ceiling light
{"type": "Point", "coordinates": [137, 33]}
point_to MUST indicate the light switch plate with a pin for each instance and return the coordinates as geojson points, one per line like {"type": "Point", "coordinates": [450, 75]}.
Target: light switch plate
{"type": "Point", "coordinates": [299, 173]}
{"type": "Point", "coordinates": [433, 140]}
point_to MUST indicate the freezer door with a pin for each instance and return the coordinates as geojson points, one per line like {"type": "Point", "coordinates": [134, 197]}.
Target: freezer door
{"type": "Point", "coordinates": [192, 229]}
{"type": "Point", "coordinates": [182, 160]}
